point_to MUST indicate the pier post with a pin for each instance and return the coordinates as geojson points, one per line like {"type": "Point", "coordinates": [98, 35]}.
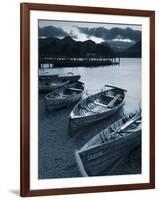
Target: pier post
{"type": "Point", "coordinates": [112, 60]}
{"type": "Point", "coordinates": [119, 60]}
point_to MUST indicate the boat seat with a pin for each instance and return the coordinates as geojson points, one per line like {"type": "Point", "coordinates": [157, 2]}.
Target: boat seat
{"type": "Point", "coordinates": [110, 104]}
{"type": "Point", "coordinates": [103, 137]}
{"type": "Point", "coordinates": [111, 96]}
{"type": "Point", "coordinates": [100, 104]}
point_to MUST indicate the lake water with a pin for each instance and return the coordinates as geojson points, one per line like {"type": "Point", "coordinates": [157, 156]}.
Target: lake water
{"type": "Point", "coordinates": [127, 75]}
{"type": "Point", "coordinates": [56, 147]}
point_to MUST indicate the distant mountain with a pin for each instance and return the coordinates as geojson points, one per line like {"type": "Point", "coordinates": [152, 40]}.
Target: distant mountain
{"type": "Point", "coordinates": [67, 40]}
{"type": "Point", "coordinates": [119, 46]}
{"type": "Point", "coordinates": [69, 47]}
{"type": "Point", "coordinates": [133, 52]}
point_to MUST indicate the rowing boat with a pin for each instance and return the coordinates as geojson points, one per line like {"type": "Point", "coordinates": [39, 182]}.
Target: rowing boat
{"type": "Point", "coordinates": [69, 76]}
{"type": "Point", "coordinates": [96, 107]}
{"type": "Point", "coordinates": [52, 84]}
{"type": "Point", "coordinates": [104, 151]}
{"type": "Point", "coordinates": [64, 96]}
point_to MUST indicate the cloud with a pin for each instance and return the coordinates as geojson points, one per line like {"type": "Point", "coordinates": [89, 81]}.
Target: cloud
{"type": "Point", "coordinates": [111, 34]}
{"type": "Point", "coordinates": [73, 34]}
{"type": "Point", "coordinates": [52, 31]}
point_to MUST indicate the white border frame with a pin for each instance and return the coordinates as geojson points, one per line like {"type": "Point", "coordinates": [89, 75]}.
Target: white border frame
{"type": "Point", "coordinates": [90, 181]}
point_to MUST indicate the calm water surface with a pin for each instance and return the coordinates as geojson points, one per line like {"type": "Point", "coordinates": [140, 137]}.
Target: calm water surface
{"type": "Point", "coordinates": [127, 75]}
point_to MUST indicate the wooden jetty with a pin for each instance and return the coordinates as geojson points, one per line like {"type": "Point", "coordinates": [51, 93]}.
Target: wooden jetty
{"type": "Point", "coordinates": [76, 61]}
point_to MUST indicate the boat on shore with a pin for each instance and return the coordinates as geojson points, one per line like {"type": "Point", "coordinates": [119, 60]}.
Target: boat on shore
{"type": "Point", "coordinates": [107, 149]}
{"type": "Point", "coordinates": [96, 107]}
{"type": "Point", "coordinates": [68, 76]}
{"type": "Point", "coordinates": [50, 85]}
{"type": "Point", "coordinates": [64, 96]}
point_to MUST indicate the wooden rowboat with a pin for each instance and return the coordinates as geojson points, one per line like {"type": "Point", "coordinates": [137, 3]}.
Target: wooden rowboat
{"type": "Point", "coordinates": [104, 151]}
{"type": "Point", "coordinates": [96, 107]}
{"type": "Point", "coordinates": [69, 76]}
{"type": "Point", "coordinates": [64, 96]}
{"type": "Point", "coordinates": [50, 85]}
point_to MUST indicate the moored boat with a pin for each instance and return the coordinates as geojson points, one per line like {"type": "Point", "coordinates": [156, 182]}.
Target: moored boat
{"type": "Point", "coordinates": [64, 96]}
{"type": "Point", "coordinates": [50, 85]}
{"type": "Point", "coordinates": [68, 76]}
{"type": "Point", "coordinates": [96, 107]}
{"type": "Point", "coordinates": [105, 151]}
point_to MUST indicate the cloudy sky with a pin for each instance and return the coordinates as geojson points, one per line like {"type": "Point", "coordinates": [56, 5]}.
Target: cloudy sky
{"type": "Point", "coordinates": [98, 32]}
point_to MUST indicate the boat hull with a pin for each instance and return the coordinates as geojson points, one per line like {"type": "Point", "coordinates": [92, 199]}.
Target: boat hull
{"type": "Point", "coordinates": [44, 88]}
{"type": "Point", "coordinates": [73, 78]}
{"type": "Point", "coordinates": [54, 103]}
{"type": "Point", "coordinates": [61, 103]}
{"type": "Point", "coordinates": [70, 78]}
{"type": "Point", "coordinates": [96, 107]}
{"type": "Point", "coordinates": [96, 160]}
{"type": "Point", "coordinates": [76, 123]}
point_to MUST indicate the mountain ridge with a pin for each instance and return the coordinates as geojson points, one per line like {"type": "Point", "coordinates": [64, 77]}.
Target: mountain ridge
{"type": "Point", "coordinates": [88, 48]}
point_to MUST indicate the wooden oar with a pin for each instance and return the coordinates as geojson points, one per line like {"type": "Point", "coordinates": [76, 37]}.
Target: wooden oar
{"type": "Point", "coordinates": [132, 130]}
{"type": "Point", "coordinates": [112, 102]}
{"type": "Point", "coordinates": [129, 123]}
{"type": "Point", "coordinates": [125, 125]}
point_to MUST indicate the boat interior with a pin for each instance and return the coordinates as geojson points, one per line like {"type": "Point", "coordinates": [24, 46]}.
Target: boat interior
{"type": "Point", "coordinates": [100, 102]}
{"type": "Point", "coordinates": [128, 124]}
{"type": "Point", "coordinates": [67, 91]}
